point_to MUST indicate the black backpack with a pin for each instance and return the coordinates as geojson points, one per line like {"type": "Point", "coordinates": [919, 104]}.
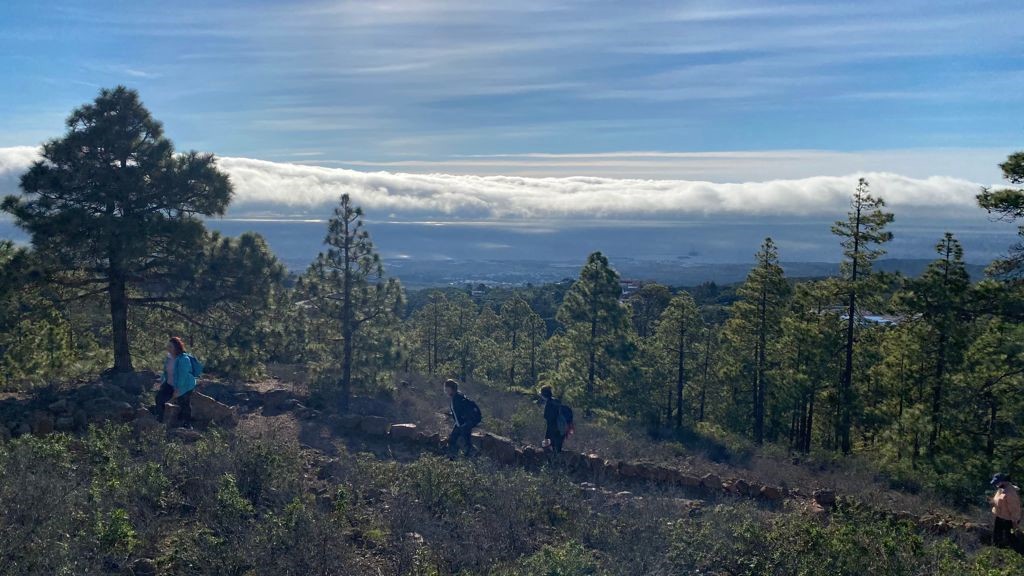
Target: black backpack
{"type": "Point", "coordinates": [475, 417]}
{"type": "Point", "coordinates": [564, 419]}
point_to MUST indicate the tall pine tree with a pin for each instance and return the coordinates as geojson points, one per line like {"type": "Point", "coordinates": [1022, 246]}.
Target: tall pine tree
{"type": "Point", "coordinates": [861, 235]}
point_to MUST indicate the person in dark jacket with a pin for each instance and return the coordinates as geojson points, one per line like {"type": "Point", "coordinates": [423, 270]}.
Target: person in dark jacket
{"type": "Point", "coordinates": [466, 415]}
{"type": "Point", "coordinates": [552, 409]}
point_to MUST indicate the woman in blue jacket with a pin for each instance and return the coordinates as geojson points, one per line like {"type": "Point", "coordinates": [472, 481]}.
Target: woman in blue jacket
{"type": "Point", "coordinates": [177, 381]}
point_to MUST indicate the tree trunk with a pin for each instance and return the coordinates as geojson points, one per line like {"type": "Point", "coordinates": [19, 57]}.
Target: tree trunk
{"type": "Point", "coordinates": [759, 384]}
{"type": "Point", "coordinates": [846, 385]}
{"type": "Point", "coordinates": [681, 374]}
{"type": "Point", "coordinates": [119, 322]}
{"type": "Point", "coordinates": [990, 445]}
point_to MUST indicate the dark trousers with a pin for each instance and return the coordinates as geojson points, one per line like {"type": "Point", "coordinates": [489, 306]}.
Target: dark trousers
{"type": "Point", "coordinates": [164, 395]}
{"type": "Point", "coordinates": [1002, 533]}
{"type": "Point", "coordinates": [556, 440]}
{"type": "Point", "coordinates": [466, 434]}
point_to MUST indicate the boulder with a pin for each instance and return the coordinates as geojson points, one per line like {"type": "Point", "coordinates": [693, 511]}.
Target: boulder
{"type": "Point", "coordinates": [403, 432]}
{"type": "Point", "coordinates": [711, 482]}
{"type": "Point", "coordinates": [825, 498]}
{"type": "Point", "coordinates": [171, 412]}
{"type": "Point", "coordinates": [374, 426]}
{"type": "Point", "coordinates": [102, 409]}
{"type": "Point", "coordinates": [273, 400]}
{"type": "Point", "coordinates": [206, 409]}
{"type": "Point", "coordinates": [42, 423]}
{"type": "Point", "coordinates": [740, 487]}
{"type": "Point", "coordinates": [499, 448]}
{"type": "Point", "coordinates": [771, 493]}
{"type": "Point", "coordinates": [630, 470]}
{"type": "Point", "coordinates": [346, 422]}
{"type": "Point", "coordinates": [144, 423]}
{"type": "Point", "coordinates": [186, 434]}
{"type": "Point", "coordinates": [688, 481]}
{"type": "Point", "coordinates": [143, 567]}
{"type": "Point", "coordinates": [20, 429]}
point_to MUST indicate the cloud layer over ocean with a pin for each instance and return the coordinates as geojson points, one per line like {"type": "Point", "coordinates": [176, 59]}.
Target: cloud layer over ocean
{"type": "Point", "coordinates": [274, 189]}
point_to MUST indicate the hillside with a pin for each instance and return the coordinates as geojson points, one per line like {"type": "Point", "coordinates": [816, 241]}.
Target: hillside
{"type": "Point", "coordinates": [284, 488]}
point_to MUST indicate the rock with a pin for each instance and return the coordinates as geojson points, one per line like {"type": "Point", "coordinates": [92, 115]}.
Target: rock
{"type": "Point", "coordinates": [818, 511]}
{"type": "Point", "coordinates": [292, 404]}
{"type": "Point", "coordinates": [59, 407]}
{"type": "Point", "coordinates": [630, 470]}
{"type": "Point", "coordinates": [374, 426]}
{"type": "Point", "coordinates": [499, 448]}
{"type": "Point", "coordinates": [206, 409]}
{"type": "Point", "coordinates": [144, 567]}
{"type": "Point", "coordinates": [186, 434]}
{"type": "Point", "coordinates": [403, 432]}
{"type": "Point", "coordinates": [688, 481]}
{"type": "Point", "coordinates": [711, 482]}
{"type": "Point", "coordinates": [414, 538]}
{"type": "Point", "coordinates": [171, 412]}
{"type": "Point", "coordinates": [42, 424]}
{"type": "Point", "coordinates": [346, 422]}
{"type": "Point", "coordinates": [305, 413]}
{"type": "Point", "coordinates": [275, 399]}
{"type": "Point", "coordinates": [825, 498]}
{"type": "Point", "coordinates": [102, 409]}
{"type": "Point", "coordinates": [771, 493]}
{"type": "Point", "coordinates": [145, 423]}
{"type": "Point", "coordinates": [740, 487]}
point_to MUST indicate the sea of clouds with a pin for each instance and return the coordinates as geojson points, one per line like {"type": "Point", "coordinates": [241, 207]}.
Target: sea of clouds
{"type": "Point", "coordinates": [276, 189]}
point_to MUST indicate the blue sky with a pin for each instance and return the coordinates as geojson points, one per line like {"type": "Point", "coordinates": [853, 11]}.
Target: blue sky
{"type": "Point", "coordinates": [382, 82]}
{"type": "Point", "coordinates": [543, 108]}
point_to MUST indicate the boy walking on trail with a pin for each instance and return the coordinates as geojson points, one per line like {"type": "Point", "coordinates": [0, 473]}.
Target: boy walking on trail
{"type": "Point", "coordinates": [1006, 510]}
{"type": "Point", "coordinates": [466, 415]}
{"type": "Point", "coordinates": [557, 418]}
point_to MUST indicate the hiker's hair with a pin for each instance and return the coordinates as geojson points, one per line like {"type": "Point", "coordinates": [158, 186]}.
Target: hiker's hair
{"type": "Point", "coordinates": [450, 383]}
{"type": "Point", "coordinates": [545, 391]}
{"type": "Point", "coordinates": [179, 345]}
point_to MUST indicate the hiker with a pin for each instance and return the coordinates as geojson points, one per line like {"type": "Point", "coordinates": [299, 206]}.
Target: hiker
{"type": "Point", "coordinates": [467, 416]}
{"type": "Point", "coordinates": [558, 418]}
{"type": "Point", "coordinates": [178, 380]}
{"type": "Point", "coordinates": [1006, 509]}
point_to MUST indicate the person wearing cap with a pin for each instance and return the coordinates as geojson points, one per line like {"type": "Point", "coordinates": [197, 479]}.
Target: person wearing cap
{"type": "Point", "coordinates": [1006, 509]}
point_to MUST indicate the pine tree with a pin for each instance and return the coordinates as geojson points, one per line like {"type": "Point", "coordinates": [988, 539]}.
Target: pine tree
{"type": "Point", "coordinates": [346, 284]}
{"type": "Point", "coordinates": [596, 328]}
{"type": "Point", "coordinates": [941, 296]}
{"type": "Point", "coordinates": [647, 305]}
{"type": "Point", "coordinates": [114, 209]}
{"type": "Point", "coordinates": [1008, 204]}
{"type": "Point", "coordinates": [755, 322]}
{"type": "Point", "coordinates": [676, 334]}
{"type": "Point", "coordinates": [519, 326]}
{"type": "Point", "coordinates": [861, 234]}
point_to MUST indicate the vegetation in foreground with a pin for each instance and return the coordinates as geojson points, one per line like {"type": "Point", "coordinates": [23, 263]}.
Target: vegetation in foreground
{"type": "Point", "coordinates": [253, 502]}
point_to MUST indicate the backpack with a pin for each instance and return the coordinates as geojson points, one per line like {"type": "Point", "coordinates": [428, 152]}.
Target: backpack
{"type": "Point", "coordinates": [475, 417]}
{"type": "Point", "coordinates": [565, 426]}
{"type": "Point", "coordinates": [197, 366]}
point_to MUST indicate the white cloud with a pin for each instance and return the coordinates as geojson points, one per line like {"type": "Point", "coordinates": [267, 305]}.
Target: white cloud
{"type": "Point", "coordinates": [282, 189]}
